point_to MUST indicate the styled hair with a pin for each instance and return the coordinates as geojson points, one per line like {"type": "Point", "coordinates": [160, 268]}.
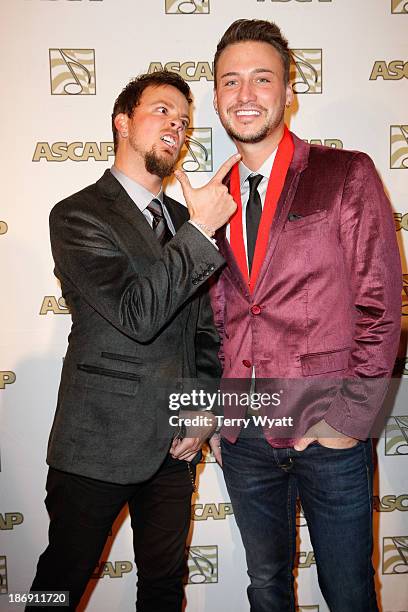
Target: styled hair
{"type": "Point", "coordinates": [257, 30]}
{"type": "Point", "coordinates": [130, 96]}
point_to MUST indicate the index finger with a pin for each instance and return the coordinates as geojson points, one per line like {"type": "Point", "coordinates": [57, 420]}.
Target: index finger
{"type": "Point", "coordinates": [225, 168]}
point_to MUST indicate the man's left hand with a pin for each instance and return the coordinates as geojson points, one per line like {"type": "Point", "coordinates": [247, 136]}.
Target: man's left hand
{"type": "Point", "coordinates": [187, 448]}
{"type": "Point", "coordinates": [325, 435]}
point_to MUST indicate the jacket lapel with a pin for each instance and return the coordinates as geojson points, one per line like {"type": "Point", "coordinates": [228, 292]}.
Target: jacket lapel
{"type": "Point", "coordinates": [123, 205]}
{"type": "Point", "coordinates": [177, 212]}
{"type": "Point", "coordinates": [299, 163]}
{"type": "Point", "coordinates": [232, 269]}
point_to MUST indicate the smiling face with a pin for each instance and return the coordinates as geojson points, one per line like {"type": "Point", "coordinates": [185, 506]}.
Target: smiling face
{"type": "Point", "coordinates": [251, 94]}
{"type": "Point", "coordinates": [153, 136]}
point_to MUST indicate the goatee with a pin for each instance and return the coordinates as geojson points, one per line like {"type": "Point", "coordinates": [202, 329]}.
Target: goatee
{"type": "Point", "coordinates": [159, 166]}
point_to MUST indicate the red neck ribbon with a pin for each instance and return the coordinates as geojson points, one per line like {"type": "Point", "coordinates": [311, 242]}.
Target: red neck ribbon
{"type": "Point", "coordinates": [276, 181]}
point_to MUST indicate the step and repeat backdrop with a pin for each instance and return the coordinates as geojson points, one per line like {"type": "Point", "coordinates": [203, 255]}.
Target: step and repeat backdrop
{"type": "Point", "coordinates": [63, 64]}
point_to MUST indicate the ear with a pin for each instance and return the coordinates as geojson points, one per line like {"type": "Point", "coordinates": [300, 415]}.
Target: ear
{"type": "Point", "coordinates": [289, 95]}
{"type": "Point", "coordinates": [121, 122]}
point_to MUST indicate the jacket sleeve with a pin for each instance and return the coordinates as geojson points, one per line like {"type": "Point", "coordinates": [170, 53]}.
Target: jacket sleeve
{"type": "Point", "coordinates": [137, 302]}
{"type": "Point", "coordinates": [368, 240]}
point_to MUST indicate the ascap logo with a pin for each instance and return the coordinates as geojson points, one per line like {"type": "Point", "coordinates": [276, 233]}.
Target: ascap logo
{"type": "Point", "coordinates": [72, 72]}
{"type": "Point", "coordinates": [399, 6]}
{"type": "Point", "coordinates": [389, 503]}
{"type": "Point", "coordinates": [396, 436]}
{"type": "Point", "coordinates": [196, 153]}
{"type": "Point", "coordinates": [202, 564]}
{"type": "Point", "coordinates": [187, 7]}
{"type": "Point", "coordinates": [333, 143]}
{"type": "Point", "coordinates": [307, 608]}
{"type": "Point", "coordinates": [393, 71]}
{"type": "Point", "coordinates": [75, 151]}
{"type": "Point", "coordinates": [51, 304]}
{"type": "Point", "coordinates": [399, 147]}
{"type": "Point", "coordinates": [7, 378]}
{"type": "Point", "coordinates": [306, 71]}
{"type": "Point", "coordinates": [190, 71]}
{"type": "Point", "coordinates": [3, 227]}
{"type": "Point", "coordinates": [404, 295]}
{"type": "Point", "coordinates": [114, 569]}
{"type": "Point", "coordinates": [401, 221]}
{"type": "Point", "coordinates": [218, 512]}
{"type": "Point", "coordinates": [395, 555]}
{"type": "Point", "coordinates": [10, 520]}
{"type": "Point", "coordinates": [3, 575]}
{"type": "Point", "coordinates": [300, 515]}
{"type": "Point", "coordinates": [305, 560]}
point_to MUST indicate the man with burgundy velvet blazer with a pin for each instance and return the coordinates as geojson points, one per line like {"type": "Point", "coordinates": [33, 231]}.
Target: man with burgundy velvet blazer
{"type": "Point", "coordinates": [310, 296]}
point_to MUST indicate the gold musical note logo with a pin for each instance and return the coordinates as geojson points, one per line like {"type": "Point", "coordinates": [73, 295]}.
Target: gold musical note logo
{"type": "Point", "coordinates": [196, 153]}
{"type": "Point", "coordinates": [399, 147]}
{"type": "Point", "coordinates": [306, 71]}
{"type": "Point", "coordinates": [395, 555]}
{"type": "Point", "coordinates": [3, 575]}
{"type": "Point", "coordinates": [396, 436]}
{"type": "Point", "coordinates": [72, 72]}
{"type": "Point", "coordinates": [187, 7]}
{"type": "Point", "coordinates": [202, 564]}
{"type": "Point", "coordinates": [399, 6]}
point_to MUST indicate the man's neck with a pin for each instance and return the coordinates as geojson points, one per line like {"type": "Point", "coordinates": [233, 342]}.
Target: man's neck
{"type": "Point", "coordinates": [255, 153]}
{"type": "Point", "coordinates": [138, 173]}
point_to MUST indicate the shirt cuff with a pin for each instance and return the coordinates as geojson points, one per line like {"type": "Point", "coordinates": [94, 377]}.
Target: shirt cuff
{"type": "Point", "coordinates": [204, 234]}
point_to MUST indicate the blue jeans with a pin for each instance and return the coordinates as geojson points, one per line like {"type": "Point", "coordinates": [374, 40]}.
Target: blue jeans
{"type": "Point", "coordinates": [335, 489]}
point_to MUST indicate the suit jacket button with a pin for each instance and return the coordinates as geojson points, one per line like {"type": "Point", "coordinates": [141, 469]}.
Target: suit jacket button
{"type": "Point", "coordinates": [255, 309]}
{"type": "Point", "coordinates": [246, 363]}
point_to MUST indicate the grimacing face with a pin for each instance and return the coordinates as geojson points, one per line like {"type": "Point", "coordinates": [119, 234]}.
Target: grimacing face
{"type": "Point", "coordinates": [157, 128]}
{"type": "Point", "coordinates": [250, 93]}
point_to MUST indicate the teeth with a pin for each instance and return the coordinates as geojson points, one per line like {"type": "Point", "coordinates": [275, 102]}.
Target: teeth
{"type": "Point", "coordinates": [169, 140]}
{"type": "Point", "coordinates": [248, 112]}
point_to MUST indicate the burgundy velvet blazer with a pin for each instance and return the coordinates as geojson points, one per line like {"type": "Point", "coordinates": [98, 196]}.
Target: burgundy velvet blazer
{"type": "Point", "coordinates": [324, 316]}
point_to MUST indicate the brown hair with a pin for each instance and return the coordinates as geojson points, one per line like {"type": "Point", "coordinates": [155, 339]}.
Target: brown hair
{"type": "Point", "coordinates": [130, 96]}
{"type": "Point", "coordinates": [257, 30]}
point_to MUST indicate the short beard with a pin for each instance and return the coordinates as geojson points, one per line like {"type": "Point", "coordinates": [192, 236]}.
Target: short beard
{"type": "Point", "coordinates": [260, 135]}
{"type": "Point", "coordinates": [251, 138]}
{"type": "Point", "coordinates": [158, 166]}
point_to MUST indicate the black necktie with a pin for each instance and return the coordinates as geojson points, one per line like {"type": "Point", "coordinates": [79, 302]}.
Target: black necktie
{"type": "Point", "coordinates": [160, 227]}
{"type": "Point", "coordinates": [253, 216]}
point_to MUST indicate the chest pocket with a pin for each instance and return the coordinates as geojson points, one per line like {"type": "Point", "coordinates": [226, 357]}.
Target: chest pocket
{"type": "Point", "coordinates": [293, 222]}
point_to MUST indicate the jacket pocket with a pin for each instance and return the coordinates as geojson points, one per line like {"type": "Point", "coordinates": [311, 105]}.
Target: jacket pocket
{"type": "Point", "coordinates": [318, 215]}
{"type": "Point", "coordinates": [107, 380]}
{"type": "Point", "coordinates": [119, 357]}
{"type": "Point", "coordinates": [322, 363]}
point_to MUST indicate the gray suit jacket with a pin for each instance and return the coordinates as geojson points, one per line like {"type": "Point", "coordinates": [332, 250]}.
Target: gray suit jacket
{"type": "Point", "coordinates": [141, 319]}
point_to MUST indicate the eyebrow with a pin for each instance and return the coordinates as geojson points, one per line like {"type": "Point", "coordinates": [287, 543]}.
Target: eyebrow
{"type": "Point", "coordinates": [169, 104]}
{"type": "Point", "coordinates": [255, 71]}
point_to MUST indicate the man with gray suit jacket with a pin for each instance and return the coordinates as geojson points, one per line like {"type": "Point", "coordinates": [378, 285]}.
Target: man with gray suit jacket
{"type": "Point", "coordinates": [133, 270]}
